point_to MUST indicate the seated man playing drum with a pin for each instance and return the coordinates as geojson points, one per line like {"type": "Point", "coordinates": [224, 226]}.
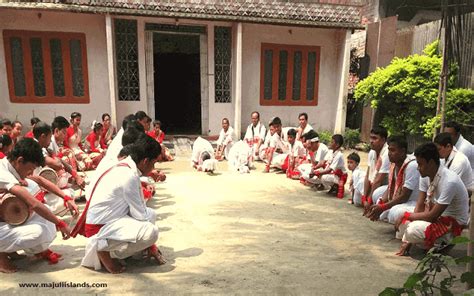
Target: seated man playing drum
{"type": "Point", "coordinates": [39, 228]}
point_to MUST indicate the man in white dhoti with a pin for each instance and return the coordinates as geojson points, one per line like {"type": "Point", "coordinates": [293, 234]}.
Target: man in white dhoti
{"type": "Point", "coordinates": [356, 183]}
{"type": "Point", "coordinates": [334, 174]}
{"type": "Point", "coordinates": [403, 184]}
{"type": "Point", "coordinates": [255, 134]}
{"type": "Point", "coordinates": [318, 154]}
{"type": "Point", "coordinates": [116, 219]}
{"type": "Point", "coordinates": [226, 139]}
{"type": "Point", "coordinates": [454, 160]}
{"type": "Point", "coordinates": [463, 145]}
{"type": "Point", "coordinates": [38, 232]}
{"type": "Point", "coordinates": [202, 157]}
{"type": "Point", "coordinates": [442, 209]}
{"type": "Point", "coordinates": [240, 158]}
{"type": "Point", "coordinates": [378, 167]}
{"type": "Point", "coordinates": [278, 149]}
{"type": "Point", "coordinates": [304, 126]}
{"type": "Point", "coordinates": [58, 196]}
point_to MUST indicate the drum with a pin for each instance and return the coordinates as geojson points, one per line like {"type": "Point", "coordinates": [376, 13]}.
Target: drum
{"type": "Point", "coordinates": [50, 175]}
{"type": "Point", "coordinates": [13, 210]}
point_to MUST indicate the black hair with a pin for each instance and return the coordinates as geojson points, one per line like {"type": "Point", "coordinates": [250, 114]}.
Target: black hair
{"type": "Point", "coordinates": [275, 121]}
{"type": "Point", "coordinates": [453, 124]}
{"type": "Point", "coordinates": [59, 123]}
{"type": "Point", "coordinates": [131, 135]}
{"type": "Point", "coordinates": [428, 151]}
{"type": "Point", "coordinates": [126, 150]}
{"type": "Point", "coordinates": [145, 148]}
{"type": "Point", "coordinates": [41, 128]}
{"type": "Point", "coordinates": [127, 120]}
{"type": "Point", "coordinates": [226, 119]}
{"type": "Point", "coordinates": [105, 115]}
{"type": "Point", "coordinates": [256, 112]}
{"type": "Point", "coordinates": [4, 122]}
{"type": "Point", "coordinates": [5, 141]}
{"type": "Point", "coordinates": [354, 156]}
{"type": "Point", "coordinates": [303, 114]}
{"type": "Point", "coordinates": [310, 135]}
{"type": "Point", "coordinates": [75, 115]}
{"type": "Point", "coordinates": [291, 132]}
{"type": "Point", "coordinates": [157, 122]}
{"type": "Point", "coordinates": [136, 125]}
{"type": "Point", "coordinates": [205, 156]}
{"type": "Point", "coordinates": [338, 139]}
{"type": "Point", "coordinates": [97, 126]}
{"type": "Point", "coordinates": [140, 115]}
{"type": "Point", "coordinates": [379, 131]}
{"type": "Point", "coordinates": [34, 120]}
{"type": "Point", "coordinates": [16, 122]}
{"type": "Point", "coordinates": [29, 149]}
{"type": "Point", "coordinates": [443, 139]}
{"type": "Point", "coordinates": [399, 141]}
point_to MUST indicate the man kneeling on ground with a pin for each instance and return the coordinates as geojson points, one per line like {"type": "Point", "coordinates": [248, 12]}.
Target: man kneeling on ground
{"type": "Point", "coordinates": [442, 209]}
{"type": "Point", "coordinates": [116, 219]}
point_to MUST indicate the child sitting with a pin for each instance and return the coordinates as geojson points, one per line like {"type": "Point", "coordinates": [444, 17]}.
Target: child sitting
{"type": "Point", "coordinates": [356, 183]}
{"type": "Point", "coordinates": [159, 136]}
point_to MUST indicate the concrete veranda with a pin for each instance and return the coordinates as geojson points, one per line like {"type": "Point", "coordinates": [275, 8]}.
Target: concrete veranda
{"type": "Point", "coordinates": [241, 234]}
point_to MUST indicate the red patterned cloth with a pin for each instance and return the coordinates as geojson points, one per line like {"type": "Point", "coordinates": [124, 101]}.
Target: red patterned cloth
{"type": "Point", "coordinates": [440, 227]}
{"type": "Point", "coordinates": [394, 187]}
{"type": "Point", "coordinates": [342, 182]}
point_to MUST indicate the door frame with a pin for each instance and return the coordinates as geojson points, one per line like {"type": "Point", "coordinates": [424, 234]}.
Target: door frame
{"type": "Point", "coordinates": [201, 31]}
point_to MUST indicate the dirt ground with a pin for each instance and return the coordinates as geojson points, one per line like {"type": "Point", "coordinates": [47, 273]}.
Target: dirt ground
{"type": "Point", "coordinates": [241, 234]}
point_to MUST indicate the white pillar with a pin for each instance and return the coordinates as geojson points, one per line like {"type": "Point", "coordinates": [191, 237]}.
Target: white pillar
{"type": "Point", "coordinates": [238, 81]}
{"type": "Point", "coordinates": [111, 68]}
{"type": "Point", "coordinates": [341, 110]}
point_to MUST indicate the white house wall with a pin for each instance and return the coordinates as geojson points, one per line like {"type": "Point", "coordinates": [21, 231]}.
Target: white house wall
{"type": "Point", "coordinates": [93, 26]}
{"type": "Point", "coordinates": [321, 116]}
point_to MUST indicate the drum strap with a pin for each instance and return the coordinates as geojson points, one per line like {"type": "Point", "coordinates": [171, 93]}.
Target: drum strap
{"type": "Point", "coordinates": [81, 226]}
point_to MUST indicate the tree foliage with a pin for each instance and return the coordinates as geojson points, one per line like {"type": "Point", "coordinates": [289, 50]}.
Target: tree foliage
{"type": "Point", "coordinates": [405, 94]}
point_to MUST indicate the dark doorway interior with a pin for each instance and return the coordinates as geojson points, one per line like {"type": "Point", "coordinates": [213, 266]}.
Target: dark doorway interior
{"type": "Point", "coordinates": [177, 82]}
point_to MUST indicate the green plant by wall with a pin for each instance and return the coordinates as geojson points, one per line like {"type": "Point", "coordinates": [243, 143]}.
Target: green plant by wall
{"type": "Point", "coordinates": [405, 94]}
{"type": "Point", "coordinates": [325, 137]}
{"type": "Point", "coordinates": [351, 138]}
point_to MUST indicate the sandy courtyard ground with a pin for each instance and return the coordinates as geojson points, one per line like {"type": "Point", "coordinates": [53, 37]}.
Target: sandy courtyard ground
{"type": "Point", "coordinates": [241, 234]}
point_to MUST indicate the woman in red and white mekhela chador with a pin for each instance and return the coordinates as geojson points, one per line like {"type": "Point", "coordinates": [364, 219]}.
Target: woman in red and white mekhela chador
{"type": "Point", "coordinates": [116, 219]}
{"type": "Point", "coordinates": [73, 142]}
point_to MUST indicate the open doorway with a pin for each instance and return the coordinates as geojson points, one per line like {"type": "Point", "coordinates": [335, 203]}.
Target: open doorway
{"type": "Point", "coordinates": [177, 79]}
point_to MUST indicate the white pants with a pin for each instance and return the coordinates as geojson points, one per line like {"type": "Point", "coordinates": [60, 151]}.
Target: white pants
{"type": "Point", "coordinates": [123, 238]}
{"type": "Point", "coordinates": [378, 193]}
{"type": "Point", "coordinates": [278, 160]}
{"type": "Point", "coordinates": [327, 180]}
{"type": "Point", "coordinates": [414, 232]}
{"type": "Point", "coordinates": [33, 237]}
{"type": "Point", "coordinates": [394, 213]}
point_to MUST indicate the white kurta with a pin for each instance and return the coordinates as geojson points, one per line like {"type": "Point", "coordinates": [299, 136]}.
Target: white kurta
{"type": "Point", "coordinates": [320, 155]}
{"type": "Point", "coordinates": [449, 190]}
{"type": "Point", "coordinates": [113, 151]}
{"type": "Point", "coordinates": [384, 168]}
{"type": "Point", "coordinates": [358, 178]}
{"type": "Point", "coordinates": [118, 204]}
{"type": "Point", "coordinates": [254, 135]}
{"type": "Point", "coordinates": [411, 181]}
{"type": "Point", "coordinates": [458, 163]}
{"type": "Point", "coordinates": [200, 146]}
{"type": "Point", "coordinates": [227, 139]}
{"type": "Point", "coordinates": [277, 142]}
{"type": "Point", "coordinates": [240, 156]}
{"type": "Point", "coordinates": [36, 234]}
{"type": "Point", "coordinates": [467, 149]}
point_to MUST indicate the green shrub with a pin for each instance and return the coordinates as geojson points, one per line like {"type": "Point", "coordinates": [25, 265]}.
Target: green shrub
{"type": "Point", "coordinates": [325, 137]}
{"type": "Point", "coordinates": [351, 138]}
{"type": "Point", "coordinates": [405, 94]}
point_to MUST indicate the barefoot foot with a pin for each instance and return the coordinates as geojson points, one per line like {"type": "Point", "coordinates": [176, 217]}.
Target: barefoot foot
{"type": "Point", "coordinates": [6, 266]}
{"type": "Point", "coordinates": [112, 265]}
{"type": "Point", "coordinates": [404, 249]}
